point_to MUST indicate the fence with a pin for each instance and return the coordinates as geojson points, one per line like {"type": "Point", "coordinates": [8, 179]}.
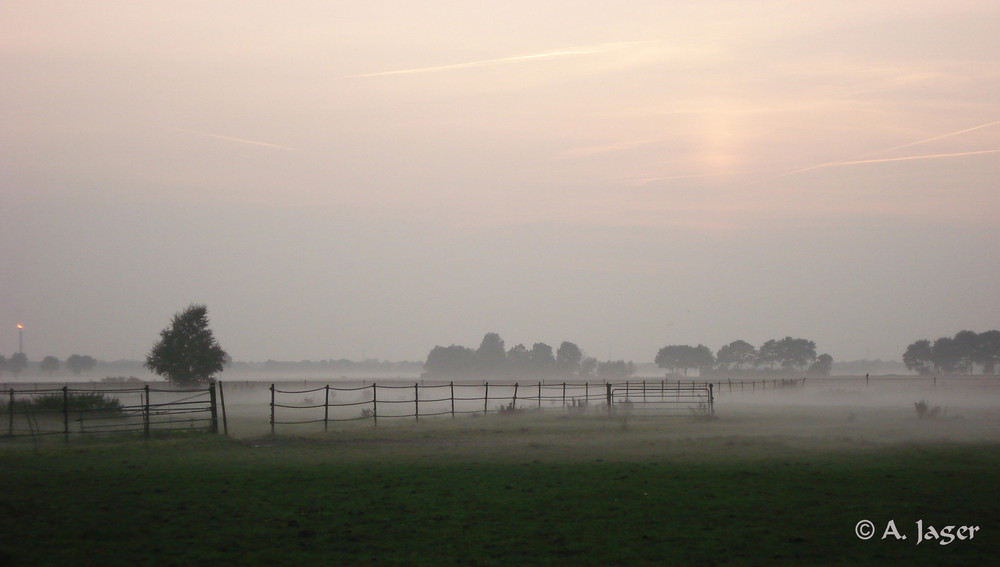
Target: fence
{"type": "Point", "coordinates": [326, 404]}
{"type": "Point", "coordinates": [66, 411]}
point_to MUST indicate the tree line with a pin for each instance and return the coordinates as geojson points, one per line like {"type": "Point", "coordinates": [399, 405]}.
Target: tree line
{"type": "Point", "coordinates": [18, 363]}
{"type": "Point", "coordinates": [787, 355]}
{"type": "Point", "coordinates": [494, 360]}
{"type": "Point", "coordinates": [960, 354]}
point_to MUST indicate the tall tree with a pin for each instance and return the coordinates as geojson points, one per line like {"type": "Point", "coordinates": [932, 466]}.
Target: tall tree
{"type": "Point", "coordinates": [736, 353]}
{"type": "Point", "coordinates": [919, 357]}
{"type": "Point", "coordinates": [491, 358]}
{"type": "Point", "coordinates": [17, 363]}
{"type": "Point", "coordinates": [822, 366]}
{"type": "Point", "coordinates": [568, 358]}
{"type": "Point", "coordinates": [187, 352]}
{"type": "Point", "coordinates": [79, 363]}
{"type": "Point", "coordinates": [543, 362]}
{"type": "Point", "coordinates": [49, 365]}
{"type": "Point", "coordinates": [989, 351]}
{"type": "Point", "coordinates": [452, 361]}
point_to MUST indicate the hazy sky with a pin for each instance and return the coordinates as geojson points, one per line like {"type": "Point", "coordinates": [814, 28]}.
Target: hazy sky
{"type": "Point", "coordinates": [349, 179]}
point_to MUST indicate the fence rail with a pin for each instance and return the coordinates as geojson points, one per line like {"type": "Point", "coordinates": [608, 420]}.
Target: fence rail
{"type": "Point", "coordinates": [67, 411]}
{"type": "Point", "coordinates": [326, 404]}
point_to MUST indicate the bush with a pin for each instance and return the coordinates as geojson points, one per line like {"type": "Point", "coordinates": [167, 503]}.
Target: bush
{"type": "Point", "coordinates": [77, 401]}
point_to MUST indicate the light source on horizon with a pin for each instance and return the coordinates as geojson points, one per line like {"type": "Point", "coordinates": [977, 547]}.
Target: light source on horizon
{"type": "Point", "coordinates": [20, 338]}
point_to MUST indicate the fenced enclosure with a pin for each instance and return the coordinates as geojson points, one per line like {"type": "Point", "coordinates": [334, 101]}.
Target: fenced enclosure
{"type": "Point", "coordinates": [67, 411]}
{"type": "Point", "coordinates": [374, 402]}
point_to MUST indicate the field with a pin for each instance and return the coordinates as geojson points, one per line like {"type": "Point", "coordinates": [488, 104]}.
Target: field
{"type": "Point", "coordinates": [776, 479]}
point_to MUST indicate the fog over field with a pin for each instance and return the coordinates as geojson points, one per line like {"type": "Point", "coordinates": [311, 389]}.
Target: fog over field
{"type": "Point", "coordinates": [369, 179]}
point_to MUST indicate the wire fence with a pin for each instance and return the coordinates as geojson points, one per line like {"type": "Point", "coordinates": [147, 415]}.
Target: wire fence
{"type": "Point", "coordinates": [67, 411]}
{"type": "Point", "coordinates": [329, 404]}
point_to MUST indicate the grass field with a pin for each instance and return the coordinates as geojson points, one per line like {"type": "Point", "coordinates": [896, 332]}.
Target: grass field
{"type": "Point", "coordinates": [503, 490]}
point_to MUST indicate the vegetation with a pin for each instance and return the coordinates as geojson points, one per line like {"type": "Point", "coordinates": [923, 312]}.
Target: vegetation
{"type": "Point", "coordinates": [960, 354]}
{"type": "Point", "coordinates": [493, 359]}
{"type": "Point", "coordinates": [49, 365]}
{"type": "Point", "coordinates": [441, 500]}
{"type": "Point", "coordinates": [74, 401]}
{"type": "Point", "coordinates": [79, 363]}
{"type": "Point", "coordinates": [187, 352]}
{"type": "Point", "coordinates": [16, 363]}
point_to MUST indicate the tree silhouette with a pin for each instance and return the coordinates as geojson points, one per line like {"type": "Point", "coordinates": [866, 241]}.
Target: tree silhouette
{"type": "Point", "coordinates": [17, 363]}
{"type": "Point", "coordinates": [568, 358]}
{"type": "Point", "coordinates": [80, 363]}
{"type": "Point", "coordinates": [49, 365]}
{"type": "Point", "coordinates": [187, 352]}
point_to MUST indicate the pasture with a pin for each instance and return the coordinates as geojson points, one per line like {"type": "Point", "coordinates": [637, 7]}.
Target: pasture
{"type": "Point", "coordinates": [774, 479]}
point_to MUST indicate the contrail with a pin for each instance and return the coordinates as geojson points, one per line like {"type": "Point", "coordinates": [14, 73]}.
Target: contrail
{"type": "Point", "coordinates": [499, 61]}
{"type": "Point", "coordinates": [231, 139]}
{"type": "Point", "coordinates": [858, 159]}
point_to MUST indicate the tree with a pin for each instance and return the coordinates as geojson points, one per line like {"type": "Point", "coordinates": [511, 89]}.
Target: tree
{"type": "Point", "coordinates": [682, 357]}
{"type": "Point", "coordinates": [80, 363]}
{"type": "Point", "coordinates": [919, 357]}
{"type": "Point", "coordinates": [17, 363]}
{"type": "Point", "coordinates": [49, 365]}
{"type": "Point", "coordinates": [568, 358]}
{"type": "Point", "coordinates": [796, 353]}
{"type": "Point", "coordinates": [491, 358]}
{"type": "Point", "coordinates": [588, 367]}
{"type": "Point", "coordinates": [452, 361]}
{"type": "Point", "coordinates": [736, 353]}
{"type": "Point", "coordinates": [187, 352]}
{"type": "Point", "coordinates": [946, 355]}
{"type": "Point", "coordinates": [615, 369]}
{"type": "Point", "coordinates": [989, 351]}
{"type": "Point", "coordinates": [822, 366]}
{"type": "Point", "coordinates": [518, 360]}
{"type": "Point", "coordinates": [768, 354]}
{"type": "Point", "coordinates": [542, 360]}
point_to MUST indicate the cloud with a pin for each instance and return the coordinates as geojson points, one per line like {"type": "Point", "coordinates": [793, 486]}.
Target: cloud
{"type": "Point", "coordinates": [591, 50]}
{"type": "Point", "coordinates": [231, 139]}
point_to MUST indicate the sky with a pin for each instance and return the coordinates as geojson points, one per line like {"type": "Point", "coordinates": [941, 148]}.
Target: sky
{"type": "Point", "coordinates": [371, 179]}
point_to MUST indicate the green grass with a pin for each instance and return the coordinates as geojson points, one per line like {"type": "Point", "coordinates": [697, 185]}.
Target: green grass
{"type": "Point", "coordinates": [502, 492]}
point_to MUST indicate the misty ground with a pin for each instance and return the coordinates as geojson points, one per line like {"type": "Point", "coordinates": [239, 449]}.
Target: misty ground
{"type": "Point", "coordinates": [777, 476]}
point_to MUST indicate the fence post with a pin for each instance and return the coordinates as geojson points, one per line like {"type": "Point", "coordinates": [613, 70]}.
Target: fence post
{"type": "Point", "coordinates": [65, 390]}
{"type": "Point", "coordinates": [564, 394]}
{"type": "Point", "coordinates": [374, 404]}
{"type": "Point", "coordinates": [326, 410]}
{"type": "Point", "coordinates": [213, 401]}
{"type": "Point", "coordinates": [609, 397]}
{"type": "Point", "coordinates": [452, 386]}
{"type": "Point", "coordinates": [10, 415]}
{"type": "Point", "coordinates": [513, 403]}
{"type": "Point", "coordinates": [222, 402]}
{"type": "Point", "coordinates": [711, 398]}
{"type": "Point", "coordinates": [145, 413]}
{"type": "Point", "coordinates": [416, 401]}
{"type": "Point", "coordinates": [486, 400]}
{"type": "Point", "coordinates": [272, 408]}
{"type": "Point", "coordinates": [539, 394]}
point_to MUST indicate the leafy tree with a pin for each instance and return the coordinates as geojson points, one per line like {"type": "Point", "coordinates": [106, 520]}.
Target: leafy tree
{"type": "Point", "coordinates": [80, 363]}
{"type": "Point", "coordinates": [568, 358]}
{"type": "Point", "coordinates": [543, 362]}
{"type": "Point", "coordinates": [452, 361]}
{"type": "Point", "coordinates": [946, 356]}
{"type": "Point", "coordinates": [187, 352]}
{"type": "Point", "coordinates": [736, 353]}
{"type": "Point", "coordinates": [17, 363]}
{"type": "Point", "coordinates": [588, 367]}
{"type": "Point", "coordinates": [49, 365]}
{"type": "Point", "coordinates": [615, 369]}
{"type": "Point", "coordinates": [683, 357]}
{"type": "Point", "coordinates": [768, 354]}
{"type": "Point", "coordinates": [796, 353]}
{"type": "Point", "coordinates": [3, 363]}
{"type": "Point", "coordinates": [491, 358]}
{"type": "Point", "coordinates": [989, 351]}
{"type": "Point", "coordinates": [919, 357]}
{"type": "Point", "coordinates": [822, 366]}
{"type": "Point", "coordinates": [519, 360]}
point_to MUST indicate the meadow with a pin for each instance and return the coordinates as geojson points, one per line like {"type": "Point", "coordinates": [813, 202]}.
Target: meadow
{"type": "Point", "coordinates": [776, 480]}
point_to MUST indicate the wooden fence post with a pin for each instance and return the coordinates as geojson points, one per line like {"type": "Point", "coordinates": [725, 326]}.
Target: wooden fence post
{"type": "Point", "coordinates": [374, 404]}
{"type": "Point", "coordinates": [145, 413]}
{"type": "Point", "coordinates": [513, 403]}
{"type": "Point", "coordinates": [416, 401]}
{"type": "Point", "coordinates": [10, 415]}
{"type": "Point", "coordinates": [452, 387]}
{"type": "Point", "coordinates": [486, 399]}
{"type": "Point", "coordinates": [272, 408]}
{"type": "Point", "coordinates": [539, 394]}
{"type": "Point", "coordinates": [222, 402]}
{"type": "Point", "coordinates": [326, 410]}
{"type": "Point", "coordinates": [214, 427]}
{"type": "Point", "coordinates": [65, 390]}
{"type": "Point", "coordinates": [564, 394]}
{"type": "Point", "coordinates": [609, 397]}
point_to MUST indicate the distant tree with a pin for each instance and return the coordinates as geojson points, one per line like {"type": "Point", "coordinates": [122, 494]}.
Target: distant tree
{"type": "Point", "coordinates": [187, 352]}
{"type": "Point", "coordinates": [946, 356]}
{"type": "Point", "coordinates": [588, 367]}
{"type": "Point", "coordinates": [796, 353]}
{"type": "Point", "coordinates": [768, 354]}
{"type": "Point", "coordinates": [967, 350]}
{"type": "Point", "coordinates": [989, 351]}
{"type": "Point", "coordinates": [49, 365]}
{"type": "Point", "coordinates": [78, 364]}
{"type": "Point", "coordinates": [3, 363]}
{"type": "Point", "coordinates": [491, 358]}
{"type": "Point", "coordinates": [615, 369]}
{"type": "Point", "coordinates": [452, 361]}
{"type": "Point", "coordinates": [822, 366]}
{"type": "Point", "coordinates": [919, 357]}
{"type": "Point", "coordinates": [683, 357]}
{"type": "Point", "coordinates": [736, 353]}
{"type": "Point", "coordinates": [568, 358]}
{"type": "Point", "coordinates": [17, 363]}
{"type": "Point", "coordinates": [543, 362]}
{"type": "Point", "coordinates": [518, 360]}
